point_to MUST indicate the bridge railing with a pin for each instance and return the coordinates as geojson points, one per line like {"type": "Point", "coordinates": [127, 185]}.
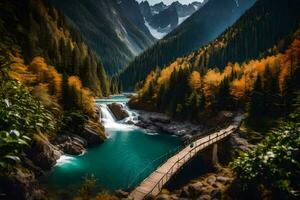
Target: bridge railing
{"type": "Point", "coordinates": [208, 140]}
{"type": "Point", "coordinates": [144, 172]}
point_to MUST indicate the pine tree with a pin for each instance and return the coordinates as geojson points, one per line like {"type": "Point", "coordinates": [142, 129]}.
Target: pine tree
{"type": "Point", "coordinates": [257, 101]}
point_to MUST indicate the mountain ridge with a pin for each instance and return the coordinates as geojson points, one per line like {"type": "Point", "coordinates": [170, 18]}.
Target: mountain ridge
{"type": "Point", "coordinates": [199, 29]}
{"type": "Point", "coordinates": [115, 39]}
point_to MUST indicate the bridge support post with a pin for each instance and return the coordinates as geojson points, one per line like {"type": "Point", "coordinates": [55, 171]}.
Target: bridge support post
{"type": "Point", "coordinates": [215, 154]}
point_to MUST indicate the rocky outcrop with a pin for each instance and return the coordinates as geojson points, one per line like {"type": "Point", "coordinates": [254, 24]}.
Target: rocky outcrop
{"type": "Point", "coordinates": [121, 194]}
{"type": "Point", "coordinates": [20, 184]}
{"type": "Point", "coordinates": [159, 122]}
{"type": "Point", "coordinates": [118, 111]}
{"type": "Point", "coordinates": [43, 154]}
{"type": "Point", "coordinates": [211, 186]}
{"type": "Point", "coordinates": [71, 144]}
{"type": "Point", "coordinates": [153, 122]}
{"type": "Point", "coordinates": [91, 136]}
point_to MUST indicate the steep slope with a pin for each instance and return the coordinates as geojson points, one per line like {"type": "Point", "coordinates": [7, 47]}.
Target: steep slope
{"type": "Point", "coordinates": [202, 27]}
{"type": "Point", "coordinates": [41, 102]}
{"type": "Point", "coordinates": [166, 20]}
{"type": "Point", "coordinates": [161, 19]}
{"type": "Point", "coordinates": [42, 31]}
{"type": "Point", "coordinates": [105, 28]}
{"type": "Point", "coordinates": [185, 10]}
{"type": "Point", "coordinates": [157, 8]}
{"type": "Point", "coordinates": [131, 9]}
{"type": "Point", "coordinates": [255, 61]}
{"type": "Point", "coordinates": [146, 10]}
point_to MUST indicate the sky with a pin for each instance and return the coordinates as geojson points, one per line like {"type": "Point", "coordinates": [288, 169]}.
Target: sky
{"type": "Point", "coordinates": [168, 2]}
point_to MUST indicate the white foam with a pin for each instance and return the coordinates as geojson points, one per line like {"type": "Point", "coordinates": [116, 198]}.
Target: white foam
{"type": "Point", "coordinates": [64, 159]}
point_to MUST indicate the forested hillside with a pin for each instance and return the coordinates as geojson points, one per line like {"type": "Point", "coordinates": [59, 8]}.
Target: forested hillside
{"type": "Point", "coordinates": [48, 80]}
{"type": "Point", "coordinates": [202, 27]}
{"type": "Point", "coordinates": [224, 75]}
{"type": "Point", "coordinates": [107, 30]}
{"type": "Point", "coordinates": [44, 32]}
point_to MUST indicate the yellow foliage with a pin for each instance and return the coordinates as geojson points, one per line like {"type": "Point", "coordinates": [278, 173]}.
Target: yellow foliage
{"type": "Point", "coordinates": [147, 83]}
{"type": "Point", "coordinates": [41, 93]}
{"type": "Point", "coordinates": [82, 96]}
{"type": "Point", "coordinates": [211, 84]}
{"type": "Point", "coordinates": [238, 88]}
{"type": "Point", "coordinates": [47, 74]}
{"type": "Point", "coordinates": [290, 59]}
{"type": "Point", "coordinates": [195, 81]}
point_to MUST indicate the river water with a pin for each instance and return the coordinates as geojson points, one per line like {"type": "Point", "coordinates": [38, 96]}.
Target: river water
{"type": "Point", "coordinates": [119, 161]}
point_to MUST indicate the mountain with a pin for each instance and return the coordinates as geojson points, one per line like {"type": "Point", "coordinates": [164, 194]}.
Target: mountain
{"type": "Point", "coordinates": [185, 10]}
{"type": "Point", "coordinates": [43, 31]}
{"type": "Point", "coordinates": [131, 9]}
{"type": "Point", "coordinates": [161, 19]}
{"type": "Point", "coordinates": [255, 62]}
{"type": "Point", "coordinates": [49, 77]}
{"type": "Point", "coordinates": [199, 29]}
{"type": "Point", "coordinates": [107, 30]}
{"type": "Point", "coordinates": [166, 20]}
{"type": "Point", "coordinates": [146, 10]}
{"type": "Point", "coordinates": [198, 4]}
{"type": "Point", "coordinates": [157, 8]}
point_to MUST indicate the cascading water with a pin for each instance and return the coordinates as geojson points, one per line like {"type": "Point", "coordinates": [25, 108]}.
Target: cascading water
{"type": "Point", "coordinates": [118, 160]}
{"type": "Point", "coordinates": [133, 116]}
{"type": "Point", "coordinates": [106, 115]}
{"type": "Point", "coordinates": [109, 121]}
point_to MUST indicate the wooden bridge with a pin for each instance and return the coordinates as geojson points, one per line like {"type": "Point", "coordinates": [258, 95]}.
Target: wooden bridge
{"type": "Point", "coordinates": [152, 185]}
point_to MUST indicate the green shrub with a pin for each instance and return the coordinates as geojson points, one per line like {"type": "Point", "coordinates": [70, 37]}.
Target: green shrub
{"type": "Point", "coordinates": [20, 117]}
{"type": "Point", "coordinates": [274, 164]}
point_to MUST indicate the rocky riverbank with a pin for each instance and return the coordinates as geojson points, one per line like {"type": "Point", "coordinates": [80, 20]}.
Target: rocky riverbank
{"type": "Point", "coordinates": [153, 122]}
{"type": "Point", "coordinates": [22, 182]}
{"type": "Point", "coordinates": [207, 187]}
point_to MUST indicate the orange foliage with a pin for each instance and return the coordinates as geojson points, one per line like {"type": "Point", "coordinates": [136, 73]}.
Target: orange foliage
{"type": "Point", "coordinates": [47, 74]}
{"type": "Point", "coordinates": [42, 94]}
{"type": "Point", "coordinates": [195, 81]}
{"type": "Point", "coordinates": [165, 74]}
{"type": "Point", "coordinates": [147, 83]}
{"type": "Point", "coordinates": [81, 96]}
{"type": "Point", "coordinates": [290, 59]}
{"type": "Point", "coordinates": [211, 84]}
{"type": "Point", "coordinates": [238, 88]}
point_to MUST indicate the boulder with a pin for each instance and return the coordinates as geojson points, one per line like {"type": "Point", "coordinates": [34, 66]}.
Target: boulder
{"type": "Point", "coordinates": [160, 118]}
{"type": "Point", "coordinates": [121, 194]}
{"type": "Point", "coordinates": [71, 144]}
{"type": "Point", "coordinates": [211, 180]}
{"type": "Point", "coordinates": [118, 111]}
{"type": "Point", "coordinates": [195, 189]}
{"type": "Point", "coordinates": [20, 184]}
{"type": "Point", "coordinates": [92, 137]}
{"type": "Point", "coordinates": [204, 197]}
{"type": "Point", "coordinates": [184, 192]}
{"type": "Point", "coordinates": [216, 193]}
{"type": "Point", "coordinates": [163, 197]}
{"type": "Point", "coordinates": [43, 154]}
{"type": "Point", "coordinates": [223, 179]}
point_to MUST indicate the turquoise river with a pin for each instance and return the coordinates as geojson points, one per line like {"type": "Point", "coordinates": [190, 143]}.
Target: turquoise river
{"type": "Point", "coordinates": [123, 160]}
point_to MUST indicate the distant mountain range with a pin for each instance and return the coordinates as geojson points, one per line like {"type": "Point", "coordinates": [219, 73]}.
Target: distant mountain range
{"type": "Point", "coordinates": [162, 19]}
{"type": "Point", "coordinates": [203, 26]}
{"type": "Point", "coordinates": [114, 29]}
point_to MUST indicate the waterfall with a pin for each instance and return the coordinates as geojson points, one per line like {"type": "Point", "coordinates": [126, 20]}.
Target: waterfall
{"type": "Point", "coordinates": [109, 121]}
{"type": "Point", "coordinates": [106, 114]}
{"type": "Point", "coordinates": [133, 116]}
